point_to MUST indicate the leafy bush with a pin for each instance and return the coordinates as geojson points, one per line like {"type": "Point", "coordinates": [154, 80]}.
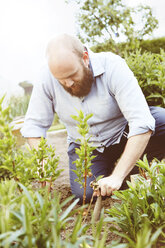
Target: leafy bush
{"type": "Point", "coordinates": [142, 206]}
{"type": "Point", "coordinates": [153, 46]}
{"type": "Point", "coordinates": [18, 105]}
{"type": "Point", "coordinates": [149, 70]}
{"type": "Point", "coordinates": [25, 165]}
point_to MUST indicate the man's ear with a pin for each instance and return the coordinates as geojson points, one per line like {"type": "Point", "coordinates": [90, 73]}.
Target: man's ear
{"type": "Point", "coordinates": [86, 58]}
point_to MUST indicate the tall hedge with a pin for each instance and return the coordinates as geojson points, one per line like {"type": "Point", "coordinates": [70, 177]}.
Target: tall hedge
{"type": "Point", "coordinates": [153, 46]}
{"type": "Point", "coordinates": [149, 69]}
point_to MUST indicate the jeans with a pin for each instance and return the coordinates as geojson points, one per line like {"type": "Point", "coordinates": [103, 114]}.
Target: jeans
{"type": "Point", "coordinates": [103, 163]}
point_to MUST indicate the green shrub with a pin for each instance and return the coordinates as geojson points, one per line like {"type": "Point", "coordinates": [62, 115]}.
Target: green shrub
{"type": "Point", "coordinates": [149, 69]}
{"type": "Point", "coordinates": [142, 206]}
{"type": "Point", "coordinates": [18, 105]}
{"type": "Point", "coordinates": [153, 46]}
{"type": "Point", "coordinates": [25, 165]}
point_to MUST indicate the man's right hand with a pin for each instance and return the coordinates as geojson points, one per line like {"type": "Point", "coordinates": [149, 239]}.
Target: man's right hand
{"type": "Point", "coordinates": [108, 184]}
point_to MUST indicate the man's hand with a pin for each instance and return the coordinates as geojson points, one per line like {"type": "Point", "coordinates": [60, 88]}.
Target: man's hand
{"type": "Point", "coordinates": [132, 152]}
{"type": "Point", "coordinates": [108, 184]}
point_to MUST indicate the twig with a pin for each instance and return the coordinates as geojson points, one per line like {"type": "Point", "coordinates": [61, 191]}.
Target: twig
{"type": "Point", "coordinates": [89, 207]}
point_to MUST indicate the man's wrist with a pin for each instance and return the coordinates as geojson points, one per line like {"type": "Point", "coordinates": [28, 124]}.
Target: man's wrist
{"type": "Point", "coordinates": [119, 172]}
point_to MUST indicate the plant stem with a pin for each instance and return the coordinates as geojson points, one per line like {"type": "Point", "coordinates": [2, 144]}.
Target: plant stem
{"type": "Point", "coordinates": [43, 184]}
{"type": "Point", "coordinates": [50, 184]}
{"type": "Point", "coordinates": [85, 175]}
{"type": "Point", "coordinates": [89, 207]}
{"type": "Point", "coordinates": [15, 178]}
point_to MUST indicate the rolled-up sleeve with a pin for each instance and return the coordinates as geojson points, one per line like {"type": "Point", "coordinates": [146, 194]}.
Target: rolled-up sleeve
{"type": "Point", "coordinates": [130, 99]}
{"type": "Point", "coordinates": [40, 111]}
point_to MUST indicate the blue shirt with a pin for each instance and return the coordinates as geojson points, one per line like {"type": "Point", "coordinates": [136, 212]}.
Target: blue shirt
{"type": "Point", "coordinates": [115, 99]}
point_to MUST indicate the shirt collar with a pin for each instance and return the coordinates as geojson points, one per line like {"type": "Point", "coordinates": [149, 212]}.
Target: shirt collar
{"type": "Point", "coordinates": [95, 63]}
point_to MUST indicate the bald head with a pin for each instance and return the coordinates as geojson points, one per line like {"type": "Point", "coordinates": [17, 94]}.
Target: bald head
{"type": "Point", "coordinates": [64, 54]}
{"type": "Point", "coordinates": [65, 42]}
{"type": "Point", "coordinates": [68, 61]}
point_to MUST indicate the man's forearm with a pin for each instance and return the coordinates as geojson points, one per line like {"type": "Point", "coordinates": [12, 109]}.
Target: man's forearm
{"type": "Point", "coordinates": [33, 142]}
{"type": "Point", "coordinates": [133, 150]}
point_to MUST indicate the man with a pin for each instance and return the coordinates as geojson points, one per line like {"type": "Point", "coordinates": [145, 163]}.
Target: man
{"type": "Point", "coordinates": [102, 84]}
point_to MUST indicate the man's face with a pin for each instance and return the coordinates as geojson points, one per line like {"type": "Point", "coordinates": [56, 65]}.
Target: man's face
{"type": "Point", "coordinates": [79, 86]}
{"type": "Point", "coordinates": [73, 73]}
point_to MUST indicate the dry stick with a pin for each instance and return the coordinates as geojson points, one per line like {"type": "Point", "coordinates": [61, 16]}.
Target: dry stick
{"type": "Point", "coordinates": [97, 208]}
{"type": "Point", "coordinates": [50, 185]}
{"type": "Point", "coordinates": [89, 207]}
{"type": "Point", "coordinates": [142, 173]}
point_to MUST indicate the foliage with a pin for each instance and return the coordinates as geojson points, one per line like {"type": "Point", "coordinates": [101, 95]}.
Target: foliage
{"type": "Point", "coordinates": [18, 105]}
{"type": "Point", "coordinates": [149, 70]}
{"type": "Point", "coordinates": [142, 207]}
{"type": "Point", "coordinates": [34, 218]}
{"type": "Point", "coordinates": [7, 140]}
{"type": "Point", "coordinates": [153, 46]}
{"type": "Point", "coordinates": [27, 165]}
{"type": "Point", "coordinates": [29, 219]}
{"type": "Point", "coordinates": [83, 163]}
{"type": "Point", "coordinates": [112, 19]}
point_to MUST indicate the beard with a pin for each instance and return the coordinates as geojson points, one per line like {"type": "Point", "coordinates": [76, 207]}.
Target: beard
{"type": "Point", "coordinates": [83, 87]}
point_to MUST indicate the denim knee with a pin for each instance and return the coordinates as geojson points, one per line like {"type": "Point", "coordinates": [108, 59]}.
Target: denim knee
{"type": "Point", "coordinates": [159, 115]}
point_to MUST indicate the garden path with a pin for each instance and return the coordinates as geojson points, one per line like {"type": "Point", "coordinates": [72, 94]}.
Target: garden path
{"type": "Point", "coordinates": [58, 139]}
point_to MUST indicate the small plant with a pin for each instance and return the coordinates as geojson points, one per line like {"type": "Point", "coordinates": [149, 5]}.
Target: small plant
{"type": "Point", "coordinates": [27, 165]}
{"type": "Point", "coordinates": [45, 164]}
{"type": "Point", "coordinates": [142, 204]}
{"type": "Point", "coordinates": [84, 161]}
{"type": "Point", "coordinates": [7, 140]}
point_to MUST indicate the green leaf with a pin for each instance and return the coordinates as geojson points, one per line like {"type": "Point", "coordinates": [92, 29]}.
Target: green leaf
{"type": "Point", "coordinates": [27, 194]}
{"type": "Point", "coordinates": [68, 210]}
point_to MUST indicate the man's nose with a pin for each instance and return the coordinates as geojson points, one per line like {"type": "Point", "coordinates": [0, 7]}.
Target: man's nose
{"type": "Point", "coordinates": [69, 82]}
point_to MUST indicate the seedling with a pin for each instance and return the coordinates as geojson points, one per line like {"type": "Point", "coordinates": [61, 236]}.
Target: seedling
{"type": "Point", "coordinates": [84, 161]}
{"type": "Point", "coordinates": [45, 163]}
